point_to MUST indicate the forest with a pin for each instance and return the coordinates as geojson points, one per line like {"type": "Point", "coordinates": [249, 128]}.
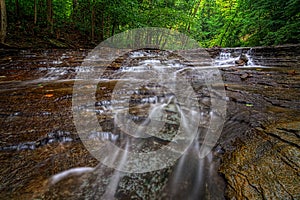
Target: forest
{"type": "Point", "coordinates": [223, 23]}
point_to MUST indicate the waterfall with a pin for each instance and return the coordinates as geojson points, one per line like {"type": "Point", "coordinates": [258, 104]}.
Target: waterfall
{"type": "Point", "coordinates": [157, 111]}
{"type": "Point", "coordinates": [234, 57]}
{"type": "Point", "coordinates": [249, 57]}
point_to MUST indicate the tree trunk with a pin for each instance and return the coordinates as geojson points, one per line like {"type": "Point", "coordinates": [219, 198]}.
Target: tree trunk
{"type": "Point", "coordinates": [3, 21]}
{"type": "Point", "coordinates": [74, 5]}
{"type": "Point", "coordinates": [113, 28]}
{"type": "Point", "coordinates": [102, 26]}
{"type": "Point", "coordinates": [50, 15]}
{"type": "Point", "coordinates": [107, 24]}
{"type": "Point", "coordinates": [35, 12]}
{"type": "Point", "coordinates": [17, 9]}
{"type": "Point", "coordinates": [74, 9]}
{"type": "Point", "coordinates": [93, 21]}
{"type": "Point", "coordinates": [194, 12]}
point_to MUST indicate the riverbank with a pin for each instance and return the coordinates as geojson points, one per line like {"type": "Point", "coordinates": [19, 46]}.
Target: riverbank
{"type": "Point", "coordinates": [45, 40]}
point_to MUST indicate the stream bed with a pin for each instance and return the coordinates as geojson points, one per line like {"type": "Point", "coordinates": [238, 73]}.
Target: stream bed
{"type": "Point", "coordinates": [257, 155]}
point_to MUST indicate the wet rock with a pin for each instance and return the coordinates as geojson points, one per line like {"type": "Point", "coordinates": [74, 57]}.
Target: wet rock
{"type": "Point", "coordinates": [240, 62]}
{"type": "Point", "coordinates": [245, 76]}
{"type": "Point", "coordinates": [266, 165]}
{"type": "Point", "coordinates": [261, 134]}
{"type": "Point", "coordinates": [57, 43]}
{"type": "Point", "coordinates": [259, 144]}
{"type": "Point", "coordinates": [243, 60]}
{"type": "Point", "coordinates": [292, 72]}
{"type": "Point", "coordinates": [214, 52]}
{"type": "Point", "coordinates": [274, 56]}
{"type": "Point", "coordinates": [199, 180]}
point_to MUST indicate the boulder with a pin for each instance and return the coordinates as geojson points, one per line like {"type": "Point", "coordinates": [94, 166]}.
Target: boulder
{"type": "Point", "coordinates": [243, 60]}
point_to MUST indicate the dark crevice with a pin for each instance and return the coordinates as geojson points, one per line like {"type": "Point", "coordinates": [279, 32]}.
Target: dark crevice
{"type": "Point", "coordinates": [283, 140]}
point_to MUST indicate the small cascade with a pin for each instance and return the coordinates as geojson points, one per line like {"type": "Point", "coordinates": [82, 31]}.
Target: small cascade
{"type": "Point", "coordinates": [150, 62]}
{"type": "Point", "coordinates": [54, 73]}
{"type": "Point", "coordinates": [202, 174]}
{"type": "Point", "coordinates": [58, 136]}
{"type": "Point", "coordinates": [249, 57]}
{"type": "Point", "coordinates": [225, 55]}
{"type": "Point", "coordinates": [71, 172]}
{"type": "Point", "coordinates": [235, 57]}
{"type": "Point", "coordinates": [225, 59]}
{"type": "Point", "coordinates": [152, 109]}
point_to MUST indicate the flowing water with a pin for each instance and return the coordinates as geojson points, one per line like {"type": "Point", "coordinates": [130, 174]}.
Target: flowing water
{"type": "Point", "coordinates": [228, 59]}
{"type": "Point", "coordinates": [43, 154]}
{"type": "Point", "coordinates": [150, 108]}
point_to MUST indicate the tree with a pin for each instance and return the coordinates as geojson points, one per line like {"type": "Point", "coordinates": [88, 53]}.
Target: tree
{"type": "Point", "coordinates": [3, 21]}
{"type": "Point", "coordinates": [93, 18]}
{"type": "Point", "coordinates": [35, 12]}
{"type": "Point", "coordinates": [50, 15]}
{"type": "Point", "coordinates": [270, 22]}
{"type": "Point", "coordinates": [210, 22]}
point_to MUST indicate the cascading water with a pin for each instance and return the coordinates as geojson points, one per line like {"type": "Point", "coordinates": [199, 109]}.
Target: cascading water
{"type": "Point", "coordinates": [233, 57]}
{"type": "Point", "coordinates": [145, 116]}
{"type": "Point", "coordinates": [39, 139]}
{"type": "Point", "coordinates": [249, 57]}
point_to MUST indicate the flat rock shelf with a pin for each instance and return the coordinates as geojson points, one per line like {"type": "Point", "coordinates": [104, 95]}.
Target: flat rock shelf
{"type": "Point", "coordinates": [256, 157]}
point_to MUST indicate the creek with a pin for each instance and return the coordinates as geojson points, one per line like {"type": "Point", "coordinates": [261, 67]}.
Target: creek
{"type": "Point", "coordinates": [44, 155]}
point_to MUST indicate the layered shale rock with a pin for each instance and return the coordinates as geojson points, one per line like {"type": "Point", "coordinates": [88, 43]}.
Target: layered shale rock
{"type": "Point", "coordinates": [265, 166]}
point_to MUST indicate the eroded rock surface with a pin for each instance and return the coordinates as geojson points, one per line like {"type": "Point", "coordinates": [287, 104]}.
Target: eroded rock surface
{"type": "Point", "coordinates": [266, 165]}
{"type": "Point", "coordinates": [263, 128]}
{"type": "Point", "coordinates": [259, 145]}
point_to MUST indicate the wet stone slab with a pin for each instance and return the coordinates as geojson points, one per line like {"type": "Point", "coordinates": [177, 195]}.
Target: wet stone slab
{"type": "Point", "coordinates": [258, 149]}
{"type": "Point", "coordinates": [262, 160]}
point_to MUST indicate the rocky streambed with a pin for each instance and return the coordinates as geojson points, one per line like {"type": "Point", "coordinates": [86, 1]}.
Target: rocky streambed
{"type": "Point", "coordinates": [264, 163]}
{"type": "Point", "coordinates": [256, 157]}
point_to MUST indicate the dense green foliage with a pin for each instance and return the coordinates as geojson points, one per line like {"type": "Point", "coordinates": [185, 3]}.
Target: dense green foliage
{"type": "Point", "coordinates": [211, 22]}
